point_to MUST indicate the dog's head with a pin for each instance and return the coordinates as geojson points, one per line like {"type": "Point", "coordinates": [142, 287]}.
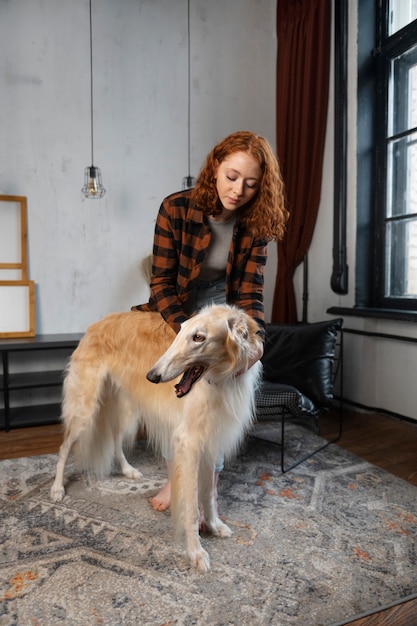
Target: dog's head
{"type": "Point", "coordinates": [218, 342]}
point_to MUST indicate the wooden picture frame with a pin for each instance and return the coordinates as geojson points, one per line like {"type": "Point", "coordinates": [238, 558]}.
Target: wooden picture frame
{"type": "Point", "coordinates": [13, 238]}
{"type": "Point", "coordinates": [17, 308]}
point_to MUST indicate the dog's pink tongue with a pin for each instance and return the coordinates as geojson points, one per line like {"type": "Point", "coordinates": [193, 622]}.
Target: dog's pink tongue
{"type": "Point", "coordinates": [188, 379]}
{"type": "Point", "coordinates": [185, 384]}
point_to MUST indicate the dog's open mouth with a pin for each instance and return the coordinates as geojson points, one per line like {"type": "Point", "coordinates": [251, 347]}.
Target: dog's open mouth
{"type": "Point", "coordinates": [188, 379]}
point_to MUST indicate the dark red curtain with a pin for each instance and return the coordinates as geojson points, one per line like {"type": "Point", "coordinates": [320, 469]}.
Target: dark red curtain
{"type": "Point", "coordinates": [303, 60]}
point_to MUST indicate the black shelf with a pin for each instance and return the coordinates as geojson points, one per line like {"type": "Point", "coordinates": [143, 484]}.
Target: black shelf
{"type": "Point", "coordinates": [41, 342]}
{"type": "Point", "coordinates": [28, 380]}
{"type": "Point", "coordinates": [12, 383]}
{"type": "Point", "coordinates": [24, 416]}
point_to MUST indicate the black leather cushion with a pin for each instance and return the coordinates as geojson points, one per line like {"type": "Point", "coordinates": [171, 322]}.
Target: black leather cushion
{"type": "Point", "coordinates": [302, 355]}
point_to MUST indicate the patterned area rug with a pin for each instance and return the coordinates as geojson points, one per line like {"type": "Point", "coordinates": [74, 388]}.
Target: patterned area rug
{"type": "Point", "coordinates": [331, 540]}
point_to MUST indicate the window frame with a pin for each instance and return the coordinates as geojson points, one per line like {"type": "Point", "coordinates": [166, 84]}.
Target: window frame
{"type": "Point", "coordinates": [387, 47]}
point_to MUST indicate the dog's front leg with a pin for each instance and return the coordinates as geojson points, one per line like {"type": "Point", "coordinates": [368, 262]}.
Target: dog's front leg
{"type": "Point", "coordinates": [184, 500]}
{"type": "Point", "coordinates": [208, 500]}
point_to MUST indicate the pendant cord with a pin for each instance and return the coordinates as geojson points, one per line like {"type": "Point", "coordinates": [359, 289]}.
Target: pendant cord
{"type": "Point", "coordinates": [189, 91]}
{"type": "Point", "coordinates": [91, 86]}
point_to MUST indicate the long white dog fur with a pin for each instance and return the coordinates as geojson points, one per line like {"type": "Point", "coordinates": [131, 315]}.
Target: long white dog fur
{"type": "Point", "coordinates": [109, 391]}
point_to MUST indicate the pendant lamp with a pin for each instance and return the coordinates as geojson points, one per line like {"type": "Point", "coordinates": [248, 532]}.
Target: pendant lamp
{"type": "Point", "coordinates": [189, 181]}
{"type": "Point", "coordinates": [93, 186]}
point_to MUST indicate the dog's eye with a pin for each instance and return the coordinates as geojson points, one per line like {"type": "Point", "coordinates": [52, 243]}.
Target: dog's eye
{"type": "Point", "coordinates": [198, 338]}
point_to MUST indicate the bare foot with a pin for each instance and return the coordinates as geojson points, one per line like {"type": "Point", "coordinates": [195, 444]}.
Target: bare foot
{"type": "Point", "coordinates": [162, 500]}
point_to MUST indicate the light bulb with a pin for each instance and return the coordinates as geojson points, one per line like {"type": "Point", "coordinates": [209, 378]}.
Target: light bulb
{"type": "Point", "coordinates": [93, 186]}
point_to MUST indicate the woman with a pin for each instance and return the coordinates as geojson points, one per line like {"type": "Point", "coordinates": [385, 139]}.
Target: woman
{"type": "Point", "coordinates": [210, 242]}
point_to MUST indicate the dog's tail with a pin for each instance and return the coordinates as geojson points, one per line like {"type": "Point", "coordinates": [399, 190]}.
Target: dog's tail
{"type": "Point", "coordinates": [146, 266]}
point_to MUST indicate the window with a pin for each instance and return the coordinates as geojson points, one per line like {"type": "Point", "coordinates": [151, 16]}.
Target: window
{"type": "Point", "coordinates": [387, 115]}
{"type": "Point", "coordinates": [400, 13]}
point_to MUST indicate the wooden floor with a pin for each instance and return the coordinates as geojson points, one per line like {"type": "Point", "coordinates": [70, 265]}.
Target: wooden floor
{"type": "Point", "coordinates": [384, 441]}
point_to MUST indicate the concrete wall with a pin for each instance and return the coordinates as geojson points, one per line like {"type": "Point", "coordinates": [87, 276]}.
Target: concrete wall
{"type": "Point", "coordinates": [85, 255]}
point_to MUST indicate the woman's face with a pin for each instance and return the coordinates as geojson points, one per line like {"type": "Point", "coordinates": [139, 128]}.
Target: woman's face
{"type": "Point", "coordinates": [238, 179]}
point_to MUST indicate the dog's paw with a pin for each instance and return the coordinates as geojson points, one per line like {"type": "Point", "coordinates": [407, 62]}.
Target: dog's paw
{"type": "Point", "coordinates": [200, 560]}
{"type": "Point", "coordinates": [57, 493]}
{"type": "Point", "coordinates": [132, 473]}
{"type": "Point", "coordinates": [219, 528]}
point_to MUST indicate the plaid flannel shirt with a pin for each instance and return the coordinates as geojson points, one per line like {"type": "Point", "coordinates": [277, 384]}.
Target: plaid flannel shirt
{"type": "Point", "coordinates": [182, 236]}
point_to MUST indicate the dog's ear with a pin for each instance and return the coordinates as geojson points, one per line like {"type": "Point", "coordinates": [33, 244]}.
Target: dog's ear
{"type": "Point", "coordinates": [238, 326]}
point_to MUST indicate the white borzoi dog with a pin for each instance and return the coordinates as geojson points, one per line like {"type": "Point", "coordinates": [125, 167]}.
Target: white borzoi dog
{"type": "Point", "coordinates": [109, 392]}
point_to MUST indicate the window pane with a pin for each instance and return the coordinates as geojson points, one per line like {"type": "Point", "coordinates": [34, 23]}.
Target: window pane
{"type": "Point", "coordinates": [402, 103]}
{"type": "Point", "coordinates": [402, 176]}
{"type": "Point", "coordinates": [401, 13]}
{"type": "Point", "coordinates": [401, 259]}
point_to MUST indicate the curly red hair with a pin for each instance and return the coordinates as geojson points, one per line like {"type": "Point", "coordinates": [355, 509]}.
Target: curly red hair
{"type": "Point", "coordinates": [264, 216]}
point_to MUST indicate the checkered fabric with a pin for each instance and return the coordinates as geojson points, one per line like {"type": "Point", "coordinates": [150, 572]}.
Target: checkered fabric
{"type": "Point", "coordinates": [182, 237]}
{"type": "Point", "coordinates": [275, 399]}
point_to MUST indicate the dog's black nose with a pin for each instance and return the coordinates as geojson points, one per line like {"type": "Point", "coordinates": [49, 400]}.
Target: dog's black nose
{"type": "Point", "coordinates": [153, 377]}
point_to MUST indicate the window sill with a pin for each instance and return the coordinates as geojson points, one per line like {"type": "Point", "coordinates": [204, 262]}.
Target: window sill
{"type": "Point", "coordinates": [382, 314]}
